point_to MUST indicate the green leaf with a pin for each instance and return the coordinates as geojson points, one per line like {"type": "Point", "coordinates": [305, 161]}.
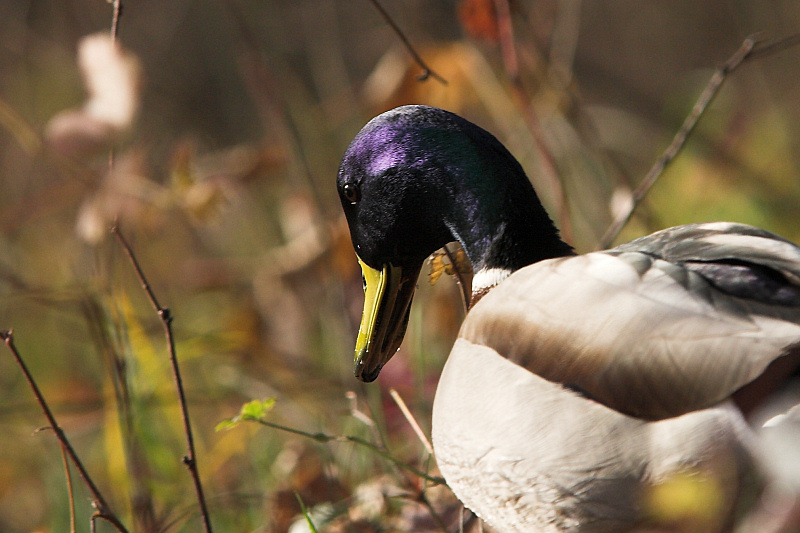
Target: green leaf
{"type": "Point", "coordinates": [252, 410]}
{"type": "Point", "coordinates": [256, 409]}
{"type": "Point", "coordinates": [228, 423]}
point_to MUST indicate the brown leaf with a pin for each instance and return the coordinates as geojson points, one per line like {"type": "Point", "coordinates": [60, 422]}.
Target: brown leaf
{"type": "Point", "coordinates": [479, 19]}
{"type": "Point", "coordinates": [440, 264]}
{"type": "Point", "coordinates": [461, 262]}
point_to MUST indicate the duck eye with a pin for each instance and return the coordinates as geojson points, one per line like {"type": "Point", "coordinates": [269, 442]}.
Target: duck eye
{"type": "Point", "coordinates": [351, 193]}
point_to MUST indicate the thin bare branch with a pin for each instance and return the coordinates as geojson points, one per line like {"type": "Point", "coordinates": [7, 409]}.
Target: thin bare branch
{"type": "Point", "coordinates": [427, 72]}
{"type": "Point", "coordinates": [760, 50]}
{"type": "Point", "coordinates": [747, 50]}
{"type": "Point", "coordinates": [103, 510]}
{"type": "Point", "coordinates": [116, 11]}
{"type": "Point", "coordinates": [190, 459]}
{"type": "Point", "coordinates": [419, 494]}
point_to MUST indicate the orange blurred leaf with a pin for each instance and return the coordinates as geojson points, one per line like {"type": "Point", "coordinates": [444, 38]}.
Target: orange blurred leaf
{"type": "Point", "coordinates": [479, 19]}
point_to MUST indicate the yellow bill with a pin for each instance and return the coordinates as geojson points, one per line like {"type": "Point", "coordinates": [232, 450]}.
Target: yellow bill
{"type": "Point", "coordinates": [387, 301]}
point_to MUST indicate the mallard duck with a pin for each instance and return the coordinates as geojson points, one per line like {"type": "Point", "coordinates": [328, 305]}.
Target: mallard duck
{"type": "Point", "coordinates": [580, 386]}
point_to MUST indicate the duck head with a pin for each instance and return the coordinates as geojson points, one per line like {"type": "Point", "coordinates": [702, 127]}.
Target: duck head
{"type": "Point", "coordinates": [414, 179]}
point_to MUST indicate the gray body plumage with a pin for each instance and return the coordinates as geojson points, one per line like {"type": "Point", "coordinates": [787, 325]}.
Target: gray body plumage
{"type": "Point", "coordinates": [581, 384]}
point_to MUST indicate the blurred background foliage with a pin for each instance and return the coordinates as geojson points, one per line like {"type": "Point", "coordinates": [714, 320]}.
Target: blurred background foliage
{"type": "Point", "coordinates": [223, 179]}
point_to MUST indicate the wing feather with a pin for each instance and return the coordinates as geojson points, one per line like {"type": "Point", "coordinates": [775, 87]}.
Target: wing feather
{"type": "Point", "coordinates": [637, 329]}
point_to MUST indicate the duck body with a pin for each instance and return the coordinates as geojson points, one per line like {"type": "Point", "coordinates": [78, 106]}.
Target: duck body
{"type": "Point", "coordinates": [527, 456]}
{"type": "Point", "coordinates": [576, 412]}
{"type": "Point", "coordinates": [580, 386]}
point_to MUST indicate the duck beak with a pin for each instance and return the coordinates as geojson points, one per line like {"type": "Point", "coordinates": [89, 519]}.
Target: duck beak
{"type": "Point", "coordinates": [387, 302]}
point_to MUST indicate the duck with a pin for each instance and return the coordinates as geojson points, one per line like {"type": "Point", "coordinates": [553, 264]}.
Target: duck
{"type": "Point", "coordinates": [580, 386]}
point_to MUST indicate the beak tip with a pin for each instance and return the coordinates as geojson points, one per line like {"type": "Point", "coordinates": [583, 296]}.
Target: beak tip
{"type": "Point", "coordinates": [364, 374]}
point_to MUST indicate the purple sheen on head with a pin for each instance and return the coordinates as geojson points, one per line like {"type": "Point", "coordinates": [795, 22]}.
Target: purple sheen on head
{"type": "Point", "coordinates": [388, 157]}
{"type": "Point", "coordinates": [379, 147]}
{"type": "Point", "coordinates": [389, 140]}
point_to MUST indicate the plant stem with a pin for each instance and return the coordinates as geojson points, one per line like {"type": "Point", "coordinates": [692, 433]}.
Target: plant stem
{"type": "Point", "coordinates": [103, 510]}
{"type": "Point", "coordinates": [427, 72]}
{"type": "Point", "coordinates": [116, 7]}
{"type": "Point", "coordinates": [164, 314]}
{"type": "Point", "coordinates": [323, 437]}
{"type": "Point", "coordinates": [70, 491]}
{"type": "Point", "coordinates": [747, 50]}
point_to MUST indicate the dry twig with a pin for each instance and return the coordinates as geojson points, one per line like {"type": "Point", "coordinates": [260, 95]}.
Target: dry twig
{"type": "Point", "coordinates": [417, 494]}
{"type": "Point", "coordinates": [747, 50]}
{"type": "Point", "coordinates": [190, 459]}
{"type": "Point", "coordinates": [427, 72]}
{"type": "Point", "coordinates": [116, 11]}
{"type": "Point", "coordinates": [103, 511]}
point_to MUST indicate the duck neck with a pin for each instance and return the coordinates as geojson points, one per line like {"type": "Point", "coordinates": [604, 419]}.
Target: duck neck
{"type": "Point", "coordinates": [506, 234]}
